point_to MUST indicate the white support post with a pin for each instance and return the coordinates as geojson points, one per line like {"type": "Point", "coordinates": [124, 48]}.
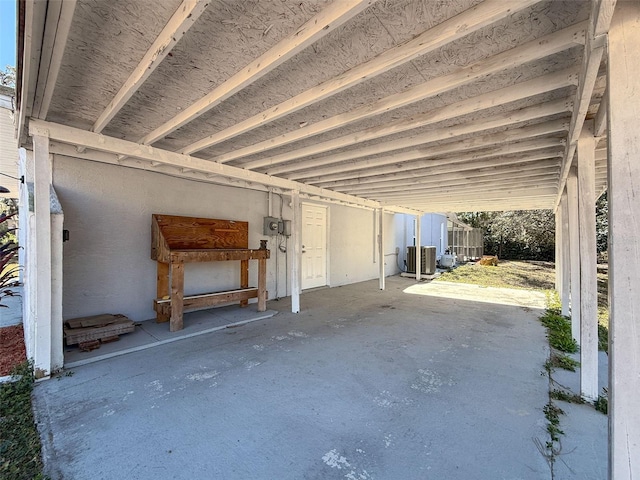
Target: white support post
{"type": "Point", "coordinates": [42, 207]}
{"type": "Point", "coordinates": [558, 243]}
{"type": "Point", "coordinates": [586, 150]}
{"type": "Point", "coordinates": [381, 247]}
{"type": "Point", "coordinates": [418, 262]}
{"type": "Point", "coordinates": [296, 259]}
{"type": "Point", "coordinates": [565, 254]}
{"type": "Point", "coordinates": [574, 252]}
{"type": "Point", "coordinates": [624, 242]}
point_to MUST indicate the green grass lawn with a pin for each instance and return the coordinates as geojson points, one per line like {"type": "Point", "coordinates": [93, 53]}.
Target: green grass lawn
{"type": "Point", "coordinates": [528, 275]}
{"type": "Point", "coordinates": [508, 274]}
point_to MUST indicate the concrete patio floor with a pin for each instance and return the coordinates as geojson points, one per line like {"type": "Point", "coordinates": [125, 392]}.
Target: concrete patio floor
{"type": "Point", "coordinates": [362, 384]}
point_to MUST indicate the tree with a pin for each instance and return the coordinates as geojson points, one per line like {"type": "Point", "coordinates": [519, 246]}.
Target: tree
{"type": "Point", "coordinates": [8, 77]}
{"type": "Point", "coordinates": [602, 223]}
{"type": "Point", "coordinates": [518, 234]}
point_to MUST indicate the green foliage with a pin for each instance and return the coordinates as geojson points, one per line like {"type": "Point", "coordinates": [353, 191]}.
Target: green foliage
{"type": "Point", "coordinates": [602, 403]}
{"type": "Point", "coordinates": [602, 223]}
{"type": "Point", "coordinates": [552, 414]}
{"type": "Point", "coordinates": [603, 338]}
{"type": "Point", "coordinates": [565, 396]}
{"type": "Point", "coordinates": [561, 361]}
{"type": "Point", "coordinates": [20, 457]}
{"type": "Point", "coordinates": [553, 302]}
{"type": "Point", "coordinates": [559, 332]}
{"type": "Point", "coordinates": [8, 77]}
{"type": "Point", "coordinates": [8, 252]}
{"type": "Point", "coordinates": [516, 235]}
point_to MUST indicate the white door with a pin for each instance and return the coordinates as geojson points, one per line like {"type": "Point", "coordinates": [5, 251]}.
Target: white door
{"type": "Point", "coordinates": [314, 246]}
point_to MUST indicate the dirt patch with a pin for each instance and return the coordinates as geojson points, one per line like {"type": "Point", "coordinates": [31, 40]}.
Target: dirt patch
{"type": "Point", "coordinates": [12, 351]}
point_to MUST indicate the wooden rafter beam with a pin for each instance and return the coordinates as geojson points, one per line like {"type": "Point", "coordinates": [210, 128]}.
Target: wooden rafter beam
{"type": "Point", "coordinates": [125, 149]}
{"type": "Point", "coordinates": [320, 25]}
{"type": "Point", "coordinates": [466, 184]}
{"type": "Point", "coordinates": [534, 50]}
{"type": "Point", "coordinates": [56, 33]}
{"type": "Point", "coordinates": [427, 178]}
{"type": "Point", "coordinates": [183, 19]}
{"type": "Point", "coordinates": [535, 203]}
{"type": "Point", "coordinates": [537, 86]}
{"type": "Point", "coordinates": [487, 145]}
{"type": "Point", "coordinates": [544, 187]}
{"type": "Point", "coordinates": [491, 196]}
{"type": "Point", "coordinates": [451, 133]}
{"type": "Point", "coordinates": [453, 29]}
{"type": "Point", "coordinates": [599, 22]}
{"type": "Point", "coordinates": [443, 168]}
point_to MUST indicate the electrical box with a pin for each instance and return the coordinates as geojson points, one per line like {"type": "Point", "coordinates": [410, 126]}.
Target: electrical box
{"type": "Point", "coordinates": [286, 228]}
{"type": "Point", "coordinates": [270, 226]}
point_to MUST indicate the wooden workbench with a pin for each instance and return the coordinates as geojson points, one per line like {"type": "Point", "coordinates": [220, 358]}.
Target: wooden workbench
{"type": "Point", "coordinates": [177, 240]}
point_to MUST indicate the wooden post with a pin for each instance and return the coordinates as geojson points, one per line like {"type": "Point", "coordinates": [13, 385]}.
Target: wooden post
{"type": "Point", "coordinates": [42, 206]}
{"type": "Point", "coordinates": [296, 258]}
{"type": "Point", "coordinates": [586, 150]}
{"type": "Point", "coordinates": [381, 247]}
{"type": "Point", "coordinates": [162, 288]}
{"type": "Point", "coordinates": [624, 242]}
{"type": "Point", "coordinates": [565, 255]}
{"type": "Point", "coordinates": [574, 252]}
{"type": "Point", "coordinates": [177, 296]}
{"type": "Point", "coordinates": [418, 262]}
{"type": "Point", "coordinates": [244, 281]}
{"type": "Point", "coordinates": [262, 284]}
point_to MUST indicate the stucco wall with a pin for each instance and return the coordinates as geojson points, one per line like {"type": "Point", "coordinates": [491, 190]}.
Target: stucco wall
{"type": "Point", "coordinates": [107, 264]}
{"type": "Point", "coordinates": [353, 246]}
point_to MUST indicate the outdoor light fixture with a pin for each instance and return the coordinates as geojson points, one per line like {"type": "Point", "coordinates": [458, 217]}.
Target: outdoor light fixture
{"type": "Point", "coordinates": [4, 189]}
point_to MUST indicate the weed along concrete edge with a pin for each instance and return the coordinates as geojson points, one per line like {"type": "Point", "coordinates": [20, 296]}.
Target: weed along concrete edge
{"type": "Point", "coordinates": [576, 447]}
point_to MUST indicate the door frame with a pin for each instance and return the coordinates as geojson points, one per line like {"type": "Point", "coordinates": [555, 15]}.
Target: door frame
{"type": "Point", "coordinates": [326, 241]}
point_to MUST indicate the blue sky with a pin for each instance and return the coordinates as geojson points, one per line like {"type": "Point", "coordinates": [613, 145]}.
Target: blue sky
{"type": "Point", "coordinates": [7, 33]}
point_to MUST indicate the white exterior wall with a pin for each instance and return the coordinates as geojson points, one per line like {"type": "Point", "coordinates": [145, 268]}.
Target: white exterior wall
{"type": "Point", "coordinates": [353, 247]}
{"type": "Point", "coordinates": [107, 263]}
{"type": "Point", "coordinates": [430, 233]}
{"type": "Point", "coordinates": [8, 148]}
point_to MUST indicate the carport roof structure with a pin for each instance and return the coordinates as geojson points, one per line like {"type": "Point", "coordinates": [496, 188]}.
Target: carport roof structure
{"type": "Point", "coordinates": [411, 105]}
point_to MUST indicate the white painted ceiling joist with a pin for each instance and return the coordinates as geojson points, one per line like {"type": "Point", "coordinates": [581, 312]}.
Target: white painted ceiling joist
{"type": "Point", "coordinates": [531, 88]}
{"type": "Point", "coordinates": [457, 27]}
{"type": "Point", "coordinates": [56, 33]}
{"type": "Point", "coordinates": [445, 168]}
{"type": "Point", "coordinates": [451, 133]}
{"type": "Point", "coordinates": [320, 25]}
{"type": "Point", "coordinates": [184, 17]}
{"type": "Point", "coordinates": [501, 143]}
{"type": "Point", "coordinates": [542, 47]}
{"type": "Point", "coordinates": [427, 179]}
{"type": "Point", "coordinates": [469, 184]}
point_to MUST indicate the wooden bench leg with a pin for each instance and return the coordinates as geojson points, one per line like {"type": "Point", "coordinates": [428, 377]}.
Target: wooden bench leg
{"type": "Point", "coordinates": [177, 296]}
{"type": "Point", "coordinates": [162, 289]}
{"type": "Point", "coordinates": [244, 279]}
{"type": "Point", "coordinates": [262, 284]}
